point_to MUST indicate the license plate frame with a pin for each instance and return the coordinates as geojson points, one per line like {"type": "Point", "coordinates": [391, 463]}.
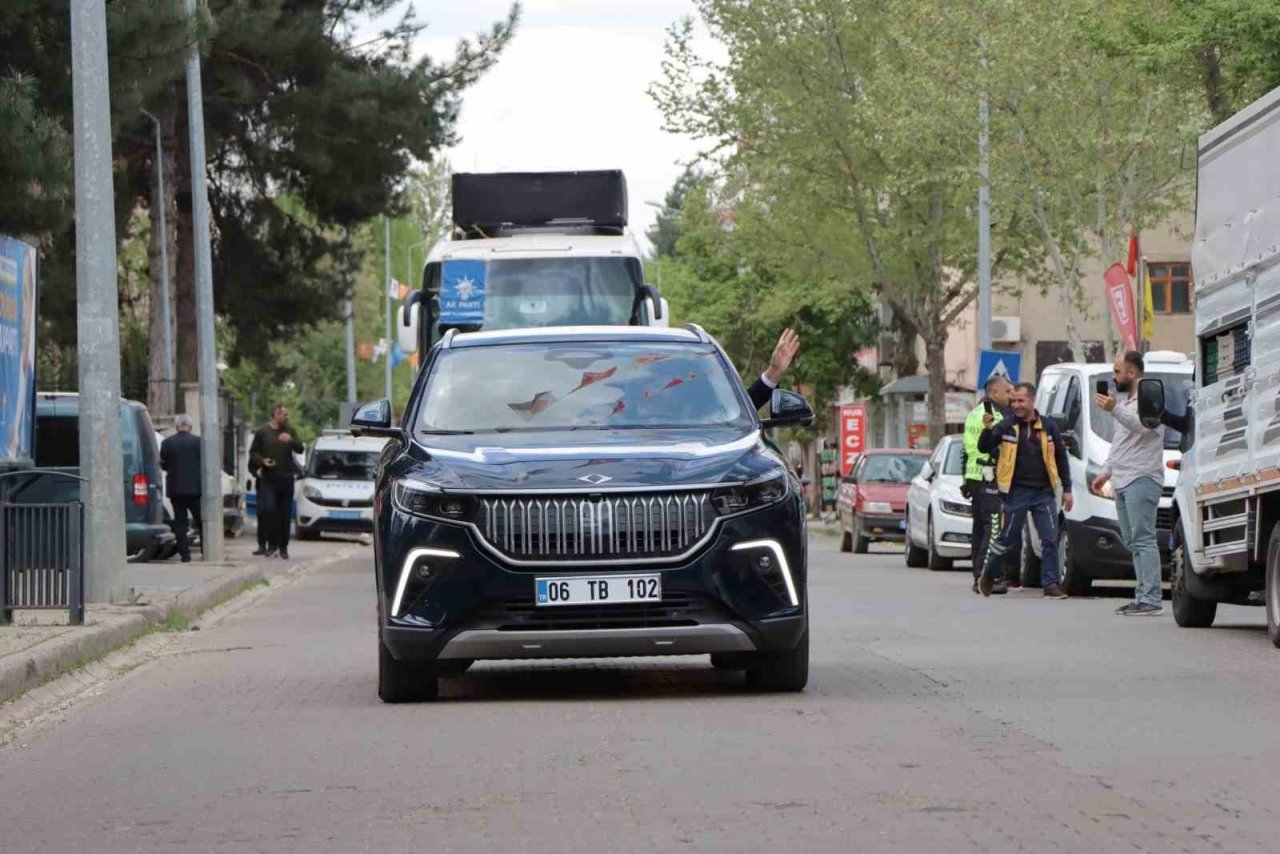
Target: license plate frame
{"type": "Point", "coordinates": [560, 591]}
{"type": "Point", "coordinates": [345, 515]}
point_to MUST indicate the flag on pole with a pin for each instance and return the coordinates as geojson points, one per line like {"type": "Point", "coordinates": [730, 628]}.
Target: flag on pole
{"type": "Point", "coordinates": [380, 349]}
{"type": "Point", "coordinates": [1131, 267]}
{"type": "Point", "coordinates": [397, 290]}
{"type": "Point", "coordinates": [1148, 305]}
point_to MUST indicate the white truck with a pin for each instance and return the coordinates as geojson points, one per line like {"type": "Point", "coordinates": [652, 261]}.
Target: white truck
{"type": "Point", "coordinates": [1226, 545]}
{"type": "Point", "coordinates": [532, 249]}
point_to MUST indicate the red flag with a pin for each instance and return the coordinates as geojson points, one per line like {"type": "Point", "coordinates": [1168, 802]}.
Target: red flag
{"type": "Point", "coordinates": [1131, 267]}
{"type": "Point", "coordinates": [1120, 298]}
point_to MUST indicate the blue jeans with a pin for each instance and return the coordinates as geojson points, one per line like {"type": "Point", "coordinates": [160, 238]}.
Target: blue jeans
{"type": "Point", "coordinates": [1042, 505]}
{"type": "Point", "coordinates": [1136, 507]}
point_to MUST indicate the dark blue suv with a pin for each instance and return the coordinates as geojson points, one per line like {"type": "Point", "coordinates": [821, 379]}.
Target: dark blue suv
{"type": "Point", "coordinates": [585, 492]}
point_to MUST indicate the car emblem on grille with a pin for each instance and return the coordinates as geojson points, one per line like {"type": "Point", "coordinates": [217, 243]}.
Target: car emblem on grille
{"type": "Point", "coordinates": [595, 479]}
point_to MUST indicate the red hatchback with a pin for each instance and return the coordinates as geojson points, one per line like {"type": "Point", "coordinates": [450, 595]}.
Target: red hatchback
{"type": "Point", "coordinates": [873, 500]}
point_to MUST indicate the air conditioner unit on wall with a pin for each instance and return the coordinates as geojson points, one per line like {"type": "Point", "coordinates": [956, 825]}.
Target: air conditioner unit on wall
{"type": "Point", "coordinates": [1006, 330]}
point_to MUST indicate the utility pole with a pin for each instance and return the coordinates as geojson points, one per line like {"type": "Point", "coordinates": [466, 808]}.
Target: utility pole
{"type": "Point", "coordinates": [206, 350]}
{"type": "Point", "coordinates": [386, 295]}
{"type": "Point", "coordinates": [97, 311]}
{"type": "Point", "coordinates": [984, 214]}
{"type": "Point", "coordinates": [166, 316]}
{"type": "Point", "coordinates": [351, 350]}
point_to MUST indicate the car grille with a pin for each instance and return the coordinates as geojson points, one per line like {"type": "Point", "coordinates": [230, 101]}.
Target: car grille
{"type": "Point", "coordinates": [342, 502]}
{"type": "Point", "coordinates": [583, 527]}
{"type": "Point", "coordinates": [676, 609]}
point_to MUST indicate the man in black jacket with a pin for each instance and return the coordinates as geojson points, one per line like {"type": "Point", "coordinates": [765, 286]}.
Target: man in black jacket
{"type": "Point", "coordinates": [784, 353]}
{"type": "Point", "coordinates": [180, 458]}
{"type": "Point", "coordinates": [271, 455]}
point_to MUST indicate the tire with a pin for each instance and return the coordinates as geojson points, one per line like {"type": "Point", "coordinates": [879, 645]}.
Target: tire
{"type": "Point", "coordinates": [846, 541]}
{"type": "Point", "coordinates": [937, 562]}
{"type": "Point", "coordinates": [860, 543]}
{"type": "Point", "coordinates": [1074, 579]}
{"type": "Point", "coordinates": [1273, 585]}
{"type": "Point", "coordinates": [404, 681]}
{"type": "Point", "coordinates": [916, 557]}
{"type": "Point", "coordinates": [305, 534]}
{"type": "Point", "coordinates": [787, 670]}
{"type": "Point", "coordinates": [1030, 562]}
{"type": "Point", "coordinates": [1188, 611]}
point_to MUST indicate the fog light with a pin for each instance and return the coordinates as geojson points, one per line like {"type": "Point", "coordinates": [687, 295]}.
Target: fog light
{"type": "Point", "coordinates": [424, 570]}
{"type": "Point", "coordinates": [1103, 542]}
{"type": "Point", "coordinates": [764, 563]}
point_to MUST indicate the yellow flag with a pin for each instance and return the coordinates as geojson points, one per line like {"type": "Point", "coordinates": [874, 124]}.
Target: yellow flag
{"type": "Point", "coordinates": [1148, 307]}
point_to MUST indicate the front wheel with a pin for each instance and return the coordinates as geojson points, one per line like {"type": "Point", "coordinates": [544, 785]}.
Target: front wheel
{"type": "Point", "coordinates": [916, 557]}
{"type": "Point", "coordinates": [861, 544]}
{"type": "Point", "coordinates": [1273, 585]}
{"type": "Point", "coordinates": [1074, 578]}
{"type": "Point", "coordinates": [937, 562]}
{"type": "Point", "coordinates": [1189, 611]}
{"type": "Point", "coordinates": [305, 533]}
{"type": "Point", "coordinates": [787, 670]}
{"type": "Point", "coordinates": [404, 681]}
{"type": "Point", "coordinates": [846, 541]}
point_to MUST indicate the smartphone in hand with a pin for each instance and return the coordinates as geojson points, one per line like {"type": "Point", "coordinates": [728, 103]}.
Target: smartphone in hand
{"type": "Point", "coordinates": [1103, 388]}
{"type": "Point", "coordinates": [986, 407]}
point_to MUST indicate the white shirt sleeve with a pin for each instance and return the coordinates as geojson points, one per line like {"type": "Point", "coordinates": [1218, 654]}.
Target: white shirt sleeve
{"type": "Point", "coordinates": [764, 379]}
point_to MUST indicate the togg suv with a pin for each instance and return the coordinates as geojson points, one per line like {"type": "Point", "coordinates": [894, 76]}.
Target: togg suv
{"type": "Point", "coordinates": [585, 492]}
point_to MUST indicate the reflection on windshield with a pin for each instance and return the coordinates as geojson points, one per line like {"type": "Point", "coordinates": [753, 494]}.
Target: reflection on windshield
{"type": "Point", "coordinates": [536, 387]}
{"type": "Point", "coordinates": [886, 468]}
{"type": "Point", "coordinates": [1178, 389]}
{"type": "Point", "coordinates": [343, 465]}
{"type": "Point", "coordinates": [524, 292]}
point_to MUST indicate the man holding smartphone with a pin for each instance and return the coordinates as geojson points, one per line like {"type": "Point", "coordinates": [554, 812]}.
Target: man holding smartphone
{"type": "Point", "coordinates": [980, 476]}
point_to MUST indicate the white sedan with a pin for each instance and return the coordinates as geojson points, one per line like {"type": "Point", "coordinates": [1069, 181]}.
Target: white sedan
{"type": "Point", "coordinates": [939, 518]}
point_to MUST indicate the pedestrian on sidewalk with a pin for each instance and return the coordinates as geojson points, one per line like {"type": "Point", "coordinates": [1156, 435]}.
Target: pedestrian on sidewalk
{"type": "Point", "coordinates": [1135, 468]}
{"type": "Point", "coordinates": [271, 454]}
{"type": "Point", "coordinates": [980, 479]}
{"type": "Point", "coordinates": [1031, 456]}
{"type": "Point", "coordinates": [180, 459]}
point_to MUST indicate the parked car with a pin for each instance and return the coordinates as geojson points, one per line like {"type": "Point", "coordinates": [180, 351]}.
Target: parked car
{"type": "Point", "coordinates": [335, 492]}
{"type": "Point", "coordinates": [57, 439]}
{"type": "Point", "coordinates": [939, 518]}
{"type": "Point", "coordinates": [605, 491]}
{"type": "Point", "coordinates": [873, 499]}
{"type": "Point", "coordinates": [1091, 547]}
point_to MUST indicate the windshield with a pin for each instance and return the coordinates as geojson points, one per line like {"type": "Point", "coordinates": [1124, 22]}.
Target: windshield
{"type": "Point", "coordinates": [343, 465]}
{"type": "Point", "coordinates": [1177, 394]}
{"type": "Point", "coordinates": [524, 292]}
{"type": "Point", "coordinates": [563, 386]}
{"type": "Point", "coordinates": [954, 463]}
{"type": "Point", "coordinates": [889, 468]}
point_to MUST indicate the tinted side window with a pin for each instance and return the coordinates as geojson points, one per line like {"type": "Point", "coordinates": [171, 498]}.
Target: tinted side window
{"type": "Point", "coordinates": [57, 441]}
{"type": "Point", "coordinates": [133, 458]}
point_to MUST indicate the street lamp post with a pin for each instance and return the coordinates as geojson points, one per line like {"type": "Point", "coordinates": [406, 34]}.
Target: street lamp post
{"type": "Point", "coordinates": [170, 392]}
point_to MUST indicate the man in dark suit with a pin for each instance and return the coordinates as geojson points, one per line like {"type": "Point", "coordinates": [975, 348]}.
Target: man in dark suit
{"type": "Point", "coordinates": [784, 353]}
{"type": "Point", "coordinates": [180, 458]}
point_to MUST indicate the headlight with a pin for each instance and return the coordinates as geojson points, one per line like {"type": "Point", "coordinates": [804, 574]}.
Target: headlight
{"type": "Point", "coordinates": [423, 500]}
{"type": "Point", "coordinates": [877, 507]}
{"type": "Point", "coordinates": [311, 493]}
{"type": "Point", "coordinates": [740, 498]}
{"type": "Point", "coordinates": [956, 508]}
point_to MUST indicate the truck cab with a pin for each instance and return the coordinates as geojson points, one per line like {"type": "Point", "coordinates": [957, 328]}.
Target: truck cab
{"type": "Point", "coordinates": [532, 250]}
{"type": "Point", "coordinates": [1227, 545]}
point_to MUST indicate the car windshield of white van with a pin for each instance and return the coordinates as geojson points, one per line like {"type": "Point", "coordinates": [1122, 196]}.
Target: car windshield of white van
{"type": "Point", "coordinates": [343, 465]}
{"type": "Point", "coordinates": [1177, 394]}
{"type": "Point", "coordinates": [558, 386]}
{"type": "Point", "coordinates": [525, 292]}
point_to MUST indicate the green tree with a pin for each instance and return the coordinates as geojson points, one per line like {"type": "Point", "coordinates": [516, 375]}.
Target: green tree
{"type": "Point", "coordinates": [664, 234]}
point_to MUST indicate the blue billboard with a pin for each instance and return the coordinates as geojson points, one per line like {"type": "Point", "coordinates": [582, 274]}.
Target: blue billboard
{"type": "Point", "coordinates": [17, 350]}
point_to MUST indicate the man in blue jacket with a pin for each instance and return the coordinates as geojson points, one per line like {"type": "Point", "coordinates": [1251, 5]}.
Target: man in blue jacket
{"type": "Point", "coordinates": [1031, 460]}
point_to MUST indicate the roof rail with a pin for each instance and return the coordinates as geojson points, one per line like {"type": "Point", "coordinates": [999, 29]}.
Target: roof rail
{"type": "Point", "coordinates": [699, 331]}
{"type": "Point", "coordinates": [447, 341]}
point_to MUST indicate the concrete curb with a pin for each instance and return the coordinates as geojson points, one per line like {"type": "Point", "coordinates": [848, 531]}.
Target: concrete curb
{"type": "Point", "coordinates": [20, 673]}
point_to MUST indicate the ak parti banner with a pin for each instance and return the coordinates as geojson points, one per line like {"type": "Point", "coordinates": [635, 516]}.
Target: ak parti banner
{"type": "Point", "coordinates": [853, 435]}
{"type": "Point", "coordinates": [1123, 309]}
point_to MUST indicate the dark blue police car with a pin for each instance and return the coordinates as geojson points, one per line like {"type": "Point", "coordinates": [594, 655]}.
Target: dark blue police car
{"type": "Point", "coordinates": [585, 492]}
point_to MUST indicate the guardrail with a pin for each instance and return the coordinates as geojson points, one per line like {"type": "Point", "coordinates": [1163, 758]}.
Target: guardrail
{"type": "Point", "coordinates": [41, 554]}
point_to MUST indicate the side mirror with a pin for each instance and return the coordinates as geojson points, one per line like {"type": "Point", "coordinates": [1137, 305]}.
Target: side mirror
{"type": "Point", "coordinates": [407, 324]}
{"type": "Point", "coordinates": [788, 409]}
{"type": "Point", "coordinates": [374, 419]}
{"type": "Point", "coordinates": [927, 473]}
{"type": "Point", "coordinates": [1150, 402]}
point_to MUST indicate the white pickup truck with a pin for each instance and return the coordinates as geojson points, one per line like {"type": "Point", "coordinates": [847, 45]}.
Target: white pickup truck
{"type": "Point", "coordinates": [1227, 541]}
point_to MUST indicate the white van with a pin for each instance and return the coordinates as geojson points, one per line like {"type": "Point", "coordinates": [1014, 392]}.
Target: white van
{"type": "Point", "coordinates": [1091, 547]}
{"type": "Point", "coordinates": [335, 492]}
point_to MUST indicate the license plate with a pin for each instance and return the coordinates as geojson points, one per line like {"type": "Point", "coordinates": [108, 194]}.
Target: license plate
{"type": "Point", "coordinates": [598, 590]}
{"type": "Point", "coordinates": [344, 514]}
{"type": "Point", "coordinates": [902, 524]}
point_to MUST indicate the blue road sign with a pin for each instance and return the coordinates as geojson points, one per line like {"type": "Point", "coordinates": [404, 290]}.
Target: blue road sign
{"type": "Point", "coordinates": [1004, 362]}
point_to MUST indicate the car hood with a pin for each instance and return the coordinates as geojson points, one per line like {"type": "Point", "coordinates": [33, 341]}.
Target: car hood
{"type": "Point", "coordinates": [895, 493]}
{"type": "Point", "coordinates": [604, 459]}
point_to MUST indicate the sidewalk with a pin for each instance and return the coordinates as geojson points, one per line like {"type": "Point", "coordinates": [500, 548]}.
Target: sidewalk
{"type": "Point", "coordinates": [39, 646]}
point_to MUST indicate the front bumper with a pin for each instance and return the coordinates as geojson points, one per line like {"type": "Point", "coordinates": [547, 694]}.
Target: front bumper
{"type": "Point", "coordinates": [334, 520]}
{"type": "Point", "coordinates": [468, 604]}
{"type": "Point", "coordinates": [1098, 549]}
{"type": "Point", "coordinates": [888, 527]}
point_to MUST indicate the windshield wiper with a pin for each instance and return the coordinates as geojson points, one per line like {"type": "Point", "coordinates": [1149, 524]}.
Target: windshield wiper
{"type": "Point", "coordinates": [447, 432]}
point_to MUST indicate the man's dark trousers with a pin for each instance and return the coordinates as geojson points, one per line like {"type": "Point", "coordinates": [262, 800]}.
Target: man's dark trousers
{"type": "Point", "coordinates": [275, 507]}
{"type": "Point", "coordinates": [1042, 506]}
{"type": "Point", "coordinates": [184, 505]}
{"type": "Point", "coordinates": [986, 521]}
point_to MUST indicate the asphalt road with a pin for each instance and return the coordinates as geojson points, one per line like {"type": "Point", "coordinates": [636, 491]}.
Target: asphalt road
{"type": "Point", "coordinates": [935, 720]}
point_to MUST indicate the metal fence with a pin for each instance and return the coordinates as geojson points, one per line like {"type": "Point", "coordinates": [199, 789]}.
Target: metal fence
{"type": "Point", "coordinates": [42, 558]}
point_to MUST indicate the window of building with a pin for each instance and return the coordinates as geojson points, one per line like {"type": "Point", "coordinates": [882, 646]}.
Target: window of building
{"type": "Point", "coordinates": [1170, 287]}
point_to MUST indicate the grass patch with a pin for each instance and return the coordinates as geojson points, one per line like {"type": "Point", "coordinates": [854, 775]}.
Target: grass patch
{"type": "Point", "coordinates": [177, 622]}
{"type": "Point", "coordinates": [253, 585]}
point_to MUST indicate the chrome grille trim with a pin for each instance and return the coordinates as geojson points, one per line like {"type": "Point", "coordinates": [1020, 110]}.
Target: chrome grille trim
{"type": "Point", "coordinates": [595, 527]}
